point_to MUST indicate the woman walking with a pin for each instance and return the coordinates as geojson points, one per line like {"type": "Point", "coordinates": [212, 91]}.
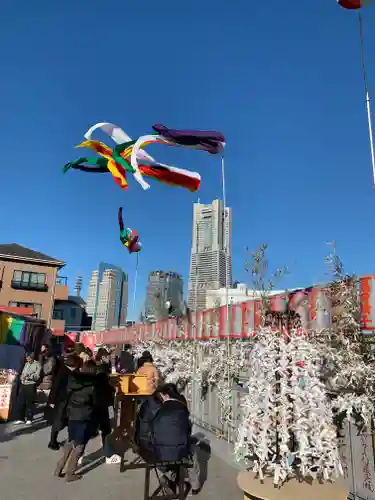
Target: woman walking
{"type": "Point", "coordinates": [81, 405]}
{"type": "Point", "coordinates": [58, 396]}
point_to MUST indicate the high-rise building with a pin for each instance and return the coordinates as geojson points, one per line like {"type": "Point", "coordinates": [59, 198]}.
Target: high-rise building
{"type": "Point", "coordinates": [164, 294]}
{"type": "Point", "coordinates": [78, 286]}
{"type": "Point", "coordinates": [107, 300]}
{"type": "Point", "coordinates": [211, 252]}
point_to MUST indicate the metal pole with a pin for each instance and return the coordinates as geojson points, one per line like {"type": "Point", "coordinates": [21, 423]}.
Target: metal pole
{"type": "Point", "coordinates": [197, 260]}
{"type": "Point", "coordinates": [193, 325]}
{"type": "Point", "coordinates": [226, 278]}
{"type": "Point", "coordinates": [135, 283]}
{"type": "Point", "coordinates": [371, 137]}
{"type": "Point", "coordinates": [226, 245]}
{"type": "Point", "coordinates": [367, 94]}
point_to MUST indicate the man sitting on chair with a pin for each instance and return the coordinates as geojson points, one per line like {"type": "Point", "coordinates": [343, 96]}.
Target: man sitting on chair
{"type": "Point", "coordinates": [164, 433]}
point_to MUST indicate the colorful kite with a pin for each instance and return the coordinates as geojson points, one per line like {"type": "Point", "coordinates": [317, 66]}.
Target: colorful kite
{"type": "Point", "coordinates": [119, 161]}
{"type": "Point", "coordinates": [129, 237]}
{"type": "Point", "coordinates": [121, 138]}
{"type": "Point", "coordinates": [210, 141]}
{"type": "Point", "coordinates": [169, 175]}
{"type": "Point", "coordinates": [353, 4]}
{"type": "Point", "coordinates": [127, 153]}
{"type": "Point", "coordinates": [97, 165]}
{"type": "Point", "coordinates": [106, 152]}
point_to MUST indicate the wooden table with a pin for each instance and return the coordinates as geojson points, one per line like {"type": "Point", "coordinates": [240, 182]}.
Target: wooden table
{"type": "Point", "coordinates": [130, 388]}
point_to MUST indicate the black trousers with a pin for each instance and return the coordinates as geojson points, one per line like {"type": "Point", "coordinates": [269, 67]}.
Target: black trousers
{"type": "Point", "coordinates": [26, 399]}
{"type": "Point", "coordinates": [59, 421]}
{"type": "Point", "coordinates": [102, 420]}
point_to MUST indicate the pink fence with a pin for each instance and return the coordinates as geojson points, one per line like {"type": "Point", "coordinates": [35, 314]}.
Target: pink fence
{"type": "Point", "coordinates": [312, 304]}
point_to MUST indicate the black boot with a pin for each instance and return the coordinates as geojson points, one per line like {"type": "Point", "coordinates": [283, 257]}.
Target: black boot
{"type": "Point", "coordinates": [68, 448]}
{"type": "Point", "coordinates": [53, 444]}
{"type": "Point", "coordinates": [73, 463]}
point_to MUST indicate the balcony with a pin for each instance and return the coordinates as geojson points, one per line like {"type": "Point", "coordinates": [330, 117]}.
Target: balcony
{"type": "Point", "coordinates": [27, 285]}
{"type": "Point", "coordinates": [61, 288]}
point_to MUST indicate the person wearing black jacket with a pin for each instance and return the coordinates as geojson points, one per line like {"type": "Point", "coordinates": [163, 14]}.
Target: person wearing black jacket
{"type": "Point", "coordinates": [48, 363]}
{"type": "Point", "coordinates": [57, 399]}
{"type": "Point", "coordinates": [105, 399]}
{"type": "Point", "coordinates": [164, 430]}
{"type": "Point", "coordinates": [171, 427]}
{"type": "Point", "coordinates": [81, 405]}
{"type": "Point", "coordinates": [126, 362]}
{"type": "Point", "coordinates": [146, 413]}
{"type": "Point", "coordinates": [103, 357]}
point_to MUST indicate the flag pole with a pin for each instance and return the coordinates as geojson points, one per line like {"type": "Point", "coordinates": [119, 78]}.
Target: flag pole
{"type": "Point", "coordinates": [226, 243]}
{"type": "Point", "coordinates": [226, 277]}
{"type": "Point", "coordinates": [135, 283]}
{"type": "Point", "coordinates": [367, 94]}
{"type": "Point", "coordinates": [193, 325]}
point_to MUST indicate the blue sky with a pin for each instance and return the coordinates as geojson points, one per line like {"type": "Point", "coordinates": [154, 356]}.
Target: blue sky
{"type": "Point", "coordinates": [282, 80]}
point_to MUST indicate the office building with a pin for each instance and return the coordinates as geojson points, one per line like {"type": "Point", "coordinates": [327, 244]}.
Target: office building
{"type": "Point", "coordinates": [211, 252]}
{"type": "Point", "coordinates": [164, 295]}
{"type": "Point", "coordinates": [107, 300]}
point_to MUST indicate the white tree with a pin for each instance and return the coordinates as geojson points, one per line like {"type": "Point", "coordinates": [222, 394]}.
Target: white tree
{"type": "Point", "coordinates": [300, 386]}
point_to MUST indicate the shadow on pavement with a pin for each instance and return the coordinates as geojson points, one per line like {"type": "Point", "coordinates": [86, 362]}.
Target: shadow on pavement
{"type": "Point", "coordinates": [95, 459]}
{"type": "Point", "coordinates": [11, 430]}
{"type": "Point", "coordinates": [201, 450]}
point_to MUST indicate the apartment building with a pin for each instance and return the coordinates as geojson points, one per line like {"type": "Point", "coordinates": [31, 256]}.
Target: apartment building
{"type": "Point", "coordinates": [29, 279]}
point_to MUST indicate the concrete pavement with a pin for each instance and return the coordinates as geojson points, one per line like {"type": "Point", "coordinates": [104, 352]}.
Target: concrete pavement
{"type": "Point", "coordinates": [26, 472]}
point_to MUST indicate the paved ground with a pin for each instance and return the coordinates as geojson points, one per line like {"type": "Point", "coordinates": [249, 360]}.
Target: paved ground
{"type": "Point", "coordinates": [26, 468]}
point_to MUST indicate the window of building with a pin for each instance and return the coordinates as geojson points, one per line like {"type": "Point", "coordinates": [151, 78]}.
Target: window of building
{"type": "Point", "coordinates": [27, 280]}
{"type": "Point", "coordinates": [37, 308]}
{"type": "Point", "coordinates": [58, 314]}
{"type": "Point", "coordinates": [73, 313]}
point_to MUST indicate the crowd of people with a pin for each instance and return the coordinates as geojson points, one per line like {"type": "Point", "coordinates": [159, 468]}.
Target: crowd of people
{"type": "Point", "coordinates": [78, 394]}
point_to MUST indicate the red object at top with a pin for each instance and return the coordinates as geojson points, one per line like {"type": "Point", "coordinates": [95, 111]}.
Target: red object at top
{"type": "Point", "coordinates": [353, 4]}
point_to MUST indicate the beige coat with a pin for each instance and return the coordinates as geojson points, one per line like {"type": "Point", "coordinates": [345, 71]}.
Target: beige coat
{"type": "Point", "coordinates": [151, 372]}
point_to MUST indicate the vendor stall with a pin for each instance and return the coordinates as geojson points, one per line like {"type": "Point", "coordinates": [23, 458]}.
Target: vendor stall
{"type": "Point", "coordinates": [17, 335]}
